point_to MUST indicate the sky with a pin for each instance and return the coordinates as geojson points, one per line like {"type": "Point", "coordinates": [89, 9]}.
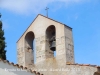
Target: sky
{"type": "Point", "coordinates": [81, 15]}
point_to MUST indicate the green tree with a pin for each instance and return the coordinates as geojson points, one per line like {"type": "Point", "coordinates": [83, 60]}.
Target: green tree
{"type": "Point", "coordinates": [2, 43]}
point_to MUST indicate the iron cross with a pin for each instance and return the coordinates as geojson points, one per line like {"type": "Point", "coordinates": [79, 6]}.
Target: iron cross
{"type": "Point", "coordinates": [47, 10]}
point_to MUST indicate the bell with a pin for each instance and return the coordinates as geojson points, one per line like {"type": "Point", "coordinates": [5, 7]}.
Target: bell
{"type": "Point", "coordinates": [53, 46]}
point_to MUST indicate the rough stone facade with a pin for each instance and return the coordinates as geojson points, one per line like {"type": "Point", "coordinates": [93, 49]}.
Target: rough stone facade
{"type": "Point", "coordinates": [40, 30]}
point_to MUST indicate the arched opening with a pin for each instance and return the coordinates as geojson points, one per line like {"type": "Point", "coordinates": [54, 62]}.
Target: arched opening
{"type": "Point", "coordinates": [29, 39]}
{"type": "Point", "coordinates": [51, 36]}
{"type": "Point", "coordinates": [30, 48]}
{"type": "Point", "coordinates": [34, 49]}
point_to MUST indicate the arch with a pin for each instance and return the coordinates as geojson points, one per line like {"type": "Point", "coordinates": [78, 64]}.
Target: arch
{"type": "Point", "coordinates": [51, 33]}
{"type": "Point", "coordinates": [50, 30]}
{"type": "Point", "coordinates": [29, 45]}
{"type": "Point", "coordinates": [29, 38]}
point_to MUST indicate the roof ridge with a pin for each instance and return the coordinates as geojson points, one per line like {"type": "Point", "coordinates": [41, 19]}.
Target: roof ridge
{"type": "Point", "coordinates": [55, 21]}
{"type": "Point", "coordinates": [20, 66]}
{"type": "Point", "coordinates": [68, 63]}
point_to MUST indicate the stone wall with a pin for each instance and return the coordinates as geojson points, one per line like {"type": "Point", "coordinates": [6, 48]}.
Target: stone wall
{"type": "Point", "coordinates": [53, 67]}
{"type": "Point", "coordinates": [39, 27]}
{"type": "Point", "coordinates": [44, 59]}
{"type": "Point", "coordinates": [69, 45]}
{"type": "Point", "coordinates": [21, 52]}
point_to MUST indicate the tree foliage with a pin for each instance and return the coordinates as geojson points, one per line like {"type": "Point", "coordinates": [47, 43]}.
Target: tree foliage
{"type": "Point", "coordinates": [2, 43]}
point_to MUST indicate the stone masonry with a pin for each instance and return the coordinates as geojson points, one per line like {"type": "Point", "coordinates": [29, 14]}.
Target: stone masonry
{"type": "Point", "coordinates": [64, 62]}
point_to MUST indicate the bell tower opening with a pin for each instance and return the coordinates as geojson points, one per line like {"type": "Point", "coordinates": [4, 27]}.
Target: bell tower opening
{"type": "Point", "coordinates": [29, 51]}
{"type": "Point", "coordinates": [51, 36]}
{"type": "Point", "coordinates": [34, 48]}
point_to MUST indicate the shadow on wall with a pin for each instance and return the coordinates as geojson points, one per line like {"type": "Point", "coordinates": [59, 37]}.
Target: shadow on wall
{"type": "Point", "coordinates": [29, 44]}
{"type": "Point", "coordinates": [96, 73]}
{"type": "Point", "coordinates": [51, 36]}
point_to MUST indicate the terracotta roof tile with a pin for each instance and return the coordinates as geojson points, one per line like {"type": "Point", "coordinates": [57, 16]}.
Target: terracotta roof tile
{"type": "Point", "coordinates": [30, 70]}
{"type": "Point", "coordinates": [17, 65]}
{"type": "Point", "coordinates": [68, 63]}
{"type": "Point", "coordinates": [83, 65]}
{"type": "Point", "coordinates": [98, 66]}
{"type": "Point", "coordinates": [38, 73]}
{"type": "Point", "coordinates": [25, 68]}
{"type": "Point", "coordinates": [5, 61]}
{"type": "Point", "coordinates": [93, 65]}
{"type": "Point", "coordinates": [34, 72]}
{"type": "Point", "coordinates": [12, 63]}
{"type": "Point", "coordinates": [20, 66]}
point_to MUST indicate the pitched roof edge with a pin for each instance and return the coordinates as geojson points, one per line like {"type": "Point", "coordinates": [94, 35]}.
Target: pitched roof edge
{"type": "Point", "coordinates": [56, 21]}
{"type": "Point", "coordinates": [28, 27]}
{"type": "Point", "coordinates": [68, 63]}
{"type": "Point", "coordinates": [45, 17]}
{"type": "Point", "coordinates": [20, 66]}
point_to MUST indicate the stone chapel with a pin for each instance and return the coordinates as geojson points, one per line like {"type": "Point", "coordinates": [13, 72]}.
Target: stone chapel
{"type": "Point", "coordinates": [51, 37]}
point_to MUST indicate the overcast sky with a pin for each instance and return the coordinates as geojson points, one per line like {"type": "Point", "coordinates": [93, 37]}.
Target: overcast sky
{"type": "Point", "coordinates": [81, 15]}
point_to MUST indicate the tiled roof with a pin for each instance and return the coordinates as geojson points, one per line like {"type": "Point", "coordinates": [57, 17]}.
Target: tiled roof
{"type": "Point", "coordinates": [37, 73]}
{"type": "Point", "coordinates": [83, 65]}
{"type": "Point", "coordinates": [21, 67]}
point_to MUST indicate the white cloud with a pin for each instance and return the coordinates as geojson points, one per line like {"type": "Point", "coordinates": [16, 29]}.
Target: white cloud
{"type": "Point", "coordinates": [33, 6]}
